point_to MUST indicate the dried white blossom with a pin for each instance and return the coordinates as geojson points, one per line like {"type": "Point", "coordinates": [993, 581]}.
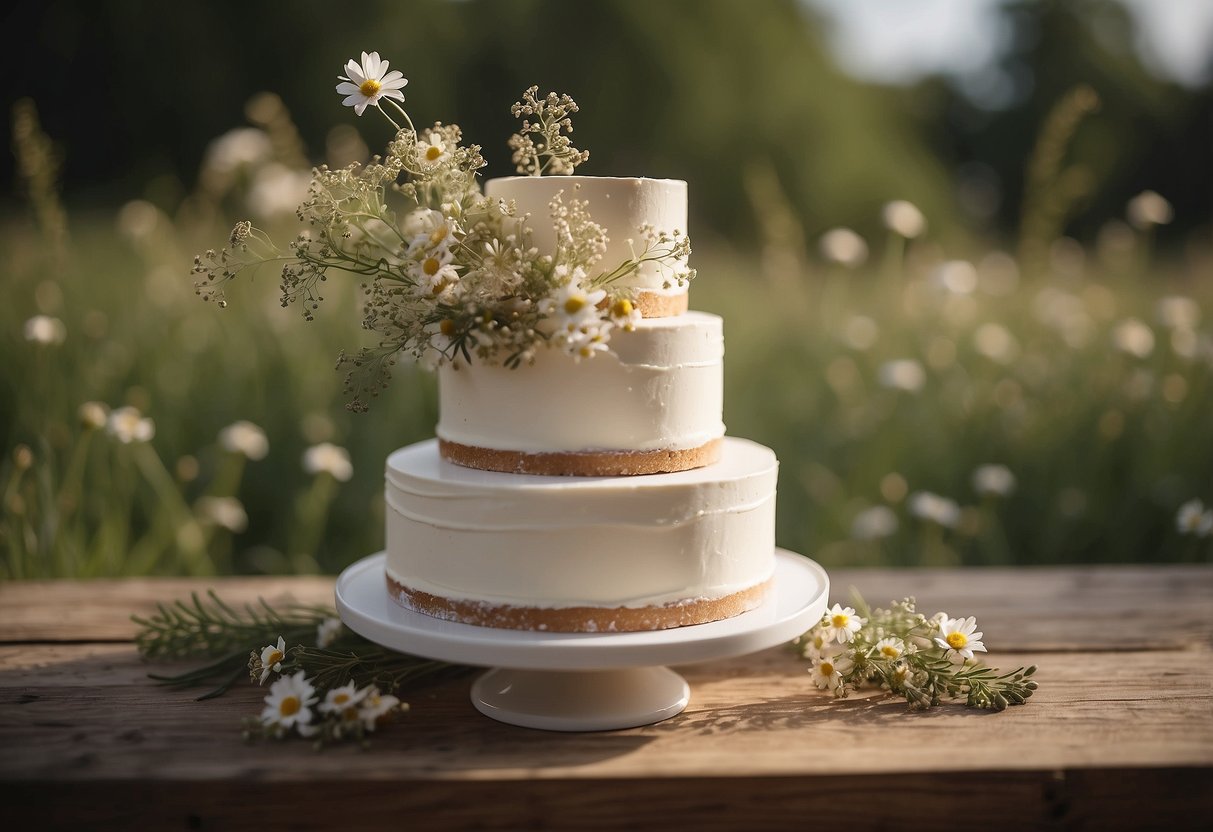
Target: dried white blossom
{"type": "Point", "coordinates": [327, 458]}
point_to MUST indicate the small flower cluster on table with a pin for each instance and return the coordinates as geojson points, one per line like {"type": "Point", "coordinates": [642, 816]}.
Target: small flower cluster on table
{"type": "Point", "coordinates": [898, 649]}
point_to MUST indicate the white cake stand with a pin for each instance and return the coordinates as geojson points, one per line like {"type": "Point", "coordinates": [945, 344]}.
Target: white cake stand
{"type": "Point", "coordinates": [582, 681]}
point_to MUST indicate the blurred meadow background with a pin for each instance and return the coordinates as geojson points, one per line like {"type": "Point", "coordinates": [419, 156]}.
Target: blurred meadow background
{"type": "Point", "coordinates": [964, 252]}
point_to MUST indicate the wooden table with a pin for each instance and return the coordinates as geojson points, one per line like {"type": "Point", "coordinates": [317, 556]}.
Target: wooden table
{"type": "Point", "coordinates": [1120, 734]}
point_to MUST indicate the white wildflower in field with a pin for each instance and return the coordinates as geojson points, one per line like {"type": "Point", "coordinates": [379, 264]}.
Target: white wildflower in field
{"type": "Point", "coordinates": [936, 509]}
{"type": "Point", "coordinates": [903, 218]}
{"type": "Point", "coordinates": [961, 636]}
{"type": "Point", "coordinates": [957, 276]}
{"type": "Point", "coordinates": [243, 437]}
{"type": "Point", "coordinates": [271, 658]}
{"type": "Point", "coordinates": [860, 332]}
{"type": "Point", "coordinates": [93, 415]}
{"type": "Point", "coordinates": [840, 623]}
{"type": "Point", "coordinates": [827, 671]}
{"type": "Point", "coordinates": [127, 425]}
{"type": "Point", "coordinates": [43, 329]}
{"type": "Point", "coordinates": [242, 147]}
{"type": "Point", "coordinates": [1193, 518]}
{"type": "Point", "coordinates": [366, 82]}
{"type": "Point", "coordinates": [843, 246]}
{"type": "Point", "coordinates": [1178, 312]}
{"type": "Point", "coordinates": [993, 481]}
{"type": "Point", "coordinates": [903, 374]}
{"type": "Point", "coordinates": [1134, 337]}
{"type": "Point", "coordinates": [996, 343]}
{"type": "Point", "coordinates": [327, 458]}
{"type": "Point", "coordinates": [327, 631]}
{"type": "Point", "coordinates": [431, 149]}
{"type": "Point", "coordinates": [289, 705]}
{"type": "Point", "coordinates": [226, 512]}
{"type": "Point", "coordinates": [874, 523]}
{"type": "Point", "coordinates": [1149, 208]}
{"type": "Point", "coordinates": [277, 191]}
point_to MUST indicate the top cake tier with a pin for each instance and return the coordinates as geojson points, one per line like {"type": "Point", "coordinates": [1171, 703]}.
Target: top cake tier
{"type": "Point", "coordinates": [621, 205]}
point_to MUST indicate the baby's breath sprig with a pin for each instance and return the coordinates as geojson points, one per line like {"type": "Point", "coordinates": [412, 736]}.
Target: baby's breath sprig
{"type": "Point", "coordinates": [448, 275]}
{"type": "Point", "coordinates": [551, 152]}
{"type": "Point", "coordinates": [925, 660]}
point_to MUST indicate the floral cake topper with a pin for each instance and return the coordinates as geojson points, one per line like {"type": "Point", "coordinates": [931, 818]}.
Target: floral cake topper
{"type": "Point", "coordinates": [448, 274]}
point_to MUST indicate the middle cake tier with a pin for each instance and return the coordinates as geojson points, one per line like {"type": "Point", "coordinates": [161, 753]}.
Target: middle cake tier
{"type": "Point", "coordinates": [651, 405]}
{"type": "Point", "coordinates": [581, 554]}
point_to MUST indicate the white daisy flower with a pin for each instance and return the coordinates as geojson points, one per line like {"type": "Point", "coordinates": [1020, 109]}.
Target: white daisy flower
{"type": "Point", "coordinates": [375, 706]}
{"type": "Point", "coordinates": [289, 704]}
{"type": "Point", "coordinates": [890, 648]}
{"type": "Point", "coordinates": [45, 330]}
{"type": "Point", "coordinates": [271, 659]}
{"type": "Point", "coordinates": [993, 480]}
{"type": "Point", "coordinates": [434, 272]}
{"type": "Point", "coordinates": [1194, 519]}
{"type": "Point", "coordinates": [903, 218]}
{"type": "Point", "coordinates": [827, 673]}
{"type": "Point", "coordinates": [127, 425]}
{"type": "Point", "coordinates": [1134, 337]}
{"type": "Point", "coordinates": [365, 83]}
{"type": "Point", "coordinates": [819, 644]}
{"type": "Point", "coordinates": [327, 458]}
{"type": "Point", "coordinates": [573, 305]}
{"type": "Point", "coordinates": [587, 340]}
{"type": "Point", "coordinates": [431, 149]}
{"type": "Point", "coordinates": [327, 632]}
{"type": "Point", "coordinates": [421, 221]}
{"type": "Point", "coordinates": [841, 623]}
{"type": "Point", "coordinates": [958, 634]}
{"type": "Point", "coordinates": [245, 438]}
{"type": "Point", "coordinates": [957, 276]}
{"type": "Point", "coordinates": [339, 700]}
{"type": "Point", "coordinates": [624, 314]}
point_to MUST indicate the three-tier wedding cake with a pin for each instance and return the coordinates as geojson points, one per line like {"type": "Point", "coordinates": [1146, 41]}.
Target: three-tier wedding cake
{"type": "Point", "coordinates": [594, 495]}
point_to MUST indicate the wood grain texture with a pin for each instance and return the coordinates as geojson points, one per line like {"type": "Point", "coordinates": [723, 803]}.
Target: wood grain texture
{"type": "Point", "coordinates": [1120, 732]}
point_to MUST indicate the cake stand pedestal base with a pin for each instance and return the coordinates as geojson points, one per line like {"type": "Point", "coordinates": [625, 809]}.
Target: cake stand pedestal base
{"type": "Point", "coordinates": [581, 700]}
{"type": "Point", "coordinates": [582, 681]}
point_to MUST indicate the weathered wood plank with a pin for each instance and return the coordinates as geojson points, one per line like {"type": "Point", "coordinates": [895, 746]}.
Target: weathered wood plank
{"type": "Point", "coordinates": [1104, 799]}
{"type": "Point", "coordinates": [85, 713]}
{"type": "Point", "coordinates": [1055, 608]}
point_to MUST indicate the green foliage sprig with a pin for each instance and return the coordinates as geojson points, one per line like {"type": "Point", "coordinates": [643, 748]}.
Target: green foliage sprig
{"type": "Point", "coordinates": [327, 664]}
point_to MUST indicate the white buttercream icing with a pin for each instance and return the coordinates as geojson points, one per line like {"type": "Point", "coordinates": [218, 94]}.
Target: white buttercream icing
{"type": "Point", "coordinates": [553, 542]}
{"type": "Point", "coordinates": [619, 204]}
{"type": "Point", "coordinates": [662, 387]}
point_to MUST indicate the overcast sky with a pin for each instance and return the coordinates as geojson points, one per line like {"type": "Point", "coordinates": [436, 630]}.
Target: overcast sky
{"type": "Point", "coordinates": [902, 40]}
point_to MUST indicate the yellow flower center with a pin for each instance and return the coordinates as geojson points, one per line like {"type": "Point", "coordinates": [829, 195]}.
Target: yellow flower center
{"type": "Point", "coordinates": [447, 327]}
{"type": "Point", "coordinates": [431, 266]}
{"type": "Point", "coordinates": [438, 234]}
{"type": "Point", "coordinates": [622, 308]}
{"type": "Point", "coordinates": [274, 658]}
{"type": "Point", "coordinates": [432, 153]}
{"type": "Point", "coordinates": [586, 352]}
{"type": "Point", "coordinates": [289, 706]}
{"type": "Point", "coordinates": [890, 652]}
{"type": "Point", "coordinates": [574, 304]}
{"type": "Point", "coordinates": [341, 699]}
{"type": "Point", "coordinates": [957, 640]}
{"type": "Point", "coordinates": [827, 669]}
{"type": "Point", "coordinates": [840, 620]}
{"type": "Point", "coordinates": [369, 87]}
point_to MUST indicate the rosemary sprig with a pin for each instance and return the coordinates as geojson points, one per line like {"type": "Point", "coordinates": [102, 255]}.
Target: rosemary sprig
{"type": "Point", "coordinates": [212, 629]}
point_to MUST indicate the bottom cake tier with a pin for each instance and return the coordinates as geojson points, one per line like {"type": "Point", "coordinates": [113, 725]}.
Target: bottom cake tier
{"type": "Point", "coordinates": [586, 554]}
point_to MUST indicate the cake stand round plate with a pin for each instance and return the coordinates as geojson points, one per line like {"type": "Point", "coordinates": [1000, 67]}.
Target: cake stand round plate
{"type": "Point", "coordinates": [582, 681]}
